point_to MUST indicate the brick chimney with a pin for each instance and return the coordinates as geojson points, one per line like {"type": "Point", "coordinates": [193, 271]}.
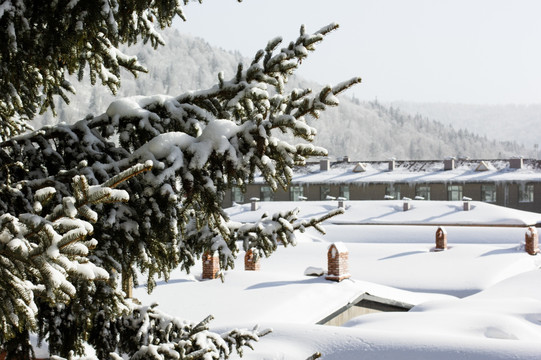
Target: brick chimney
{"type": "Point", "coordinates": [441, 239]}
{"type": "Point", "coordinates": [337, 262]}
{"type": "Point", "coordinates": [251, 261]}
{"type": "Point", "coordinates": [211, 265]}
{"type": "Point", "coordinates": [532, 241]}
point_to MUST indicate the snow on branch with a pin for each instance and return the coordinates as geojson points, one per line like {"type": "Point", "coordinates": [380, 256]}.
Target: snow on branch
{"type": "Point", "coordinates": [151, 333]}
{"type": "Point", "coordinates": [199, 144]}
{"type": "Point", "coordinates": [40, 256]}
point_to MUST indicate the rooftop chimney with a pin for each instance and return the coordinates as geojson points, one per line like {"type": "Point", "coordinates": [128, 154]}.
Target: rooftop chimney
{"type": "Point", "coordinates": [211, 265]}
{"type": "Point", "coordinates": [467, 205]}
{"type": "Point", "coordinates": [441, 239]}
{"type": "Point", "coordinates": [532, 241]}
{"type": "Point", "coordinates": [392, 164]}
{"type": "Point", "coordinates": [407, 204]}
{"type": "Point", "coordinates": [449, 164]}
{"type": "Point", "coordinates": [516, 163]}
{"type": "Point", "coordinates": [337, 262]}
{"type": "Point", "coordinates": [324, 165]}
{"type": "Point", "coordinates": [252, 261]}
{"type": "Point", "coordinates": [254, 203]}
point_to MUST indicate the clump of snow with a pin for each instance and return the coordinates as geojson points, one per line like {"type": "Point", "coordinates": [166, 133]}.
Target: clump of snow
{"type": "Point", "coordinates": [314, 271]}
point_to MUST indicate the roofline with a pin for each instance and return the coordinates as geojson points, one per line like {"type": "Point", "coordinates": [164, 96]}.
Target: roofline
{"type": "Point", "coordinates": [338, 160]}
{"type": "Point", "coordinates": [365, 296]}
{"type": "Point", "coordinates": [441, 224]}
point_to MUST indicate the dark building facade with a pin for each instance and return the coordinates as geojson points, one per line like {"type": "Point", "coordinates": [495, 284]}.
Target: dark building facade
{"type": "Point", "coordinates": [514, 183]}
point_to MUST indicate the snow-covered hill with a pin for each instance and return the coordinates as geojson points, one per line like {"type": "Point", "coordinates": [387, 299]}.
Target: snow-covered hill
{"type": "Point", "coordinates": [361, 130]}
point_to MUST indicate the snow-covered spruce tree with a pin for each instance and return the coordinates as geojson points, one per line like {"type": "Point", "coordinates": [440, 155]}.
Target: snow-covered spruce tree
{"type": "Point", "coordinates": [43, 41]}
{"type": "Point", "coordinates": [40, 253]}
{"type": "Point", "coordinates": [200, 144]}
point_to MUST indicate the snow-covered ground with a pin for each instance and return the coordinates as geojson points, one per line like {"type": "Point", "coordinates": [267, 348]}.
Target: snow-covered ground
{"type": "Point", "coordinates": [480, 299]}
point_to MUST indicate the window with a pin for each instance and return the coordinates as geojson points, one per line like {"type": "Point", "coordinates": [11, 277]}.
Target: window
{"type": "Point", "coordinates": [525, 193]}
{"type": "Point", "coordinates": [488, 193]}
{"type": "Point", "coordinates": [324, 191]}
{"type": "Point", "coordinates": [237, 195]}
{"type": "Point", "coordinates": [266, 193]}
{"type": "Point", "coordinates": [454, 192]}
{"type": "Point", "coordinates": [423, 191]}
{"type": "Point", "coordinates": [344, 191]}
{"type": "Point", "coordinates": [296, 192]}
{"type": "Point", "coordinates": [392, 192]}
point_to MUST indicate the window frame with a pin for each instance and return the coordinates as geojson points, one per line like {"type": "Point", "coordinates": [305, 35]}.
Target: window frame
{"type": "Point", "coordinates": [419, 191]}
{"type": "Point", "coordinates": [295, 192]}
{"type": "Point", "coordinates": [324, 191]}
{"type": "Point", "coordinates": [459, 190]}
{"type": "Point", "coordinates": [493, 193]}
{"type": "Point", "coordinates": [344, 191]}
{"type": "Point", "coordinates": [237, 193]}
{"type": "Point", "coordinates": [529, 190]}
{"type": "Point", "coordinates": [393, 190]}
{"type": "Point", "coordinates": [264, 191]}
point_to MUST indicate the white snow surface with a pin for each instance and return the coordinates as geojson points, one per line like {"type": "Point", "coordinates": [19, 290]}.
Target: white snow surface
{"type": "Point", "coordinates": [422, 212]}
{"type": "Point", "coordinates": [480, 299]}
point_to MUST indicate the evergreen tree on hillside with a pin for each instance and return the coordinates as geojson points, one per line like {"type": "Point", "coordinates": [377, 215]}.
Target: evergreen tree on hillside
{"type": "Point", "coordinates": [191, 149]}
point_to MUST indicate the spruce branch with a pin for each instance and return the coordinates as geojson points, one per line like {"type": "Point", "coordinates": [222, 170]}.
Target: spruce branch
{"type": "Point", "coordinates": [200, 145]}
{"type": "Point", "coordinates": [47, 251]}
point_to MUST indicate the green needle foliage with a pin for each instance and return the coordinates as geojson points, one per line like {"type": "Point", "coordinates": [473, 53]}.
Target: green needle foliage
{"type": "Point", "coordinates": [193, 147]}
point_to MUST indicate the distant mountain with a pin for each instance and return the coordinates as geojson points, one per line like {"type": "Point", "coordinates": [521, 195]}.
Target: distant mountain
{"type": "Point", "coordinates": [501, 122]}
{"type": "Point", "coordinates": [372, 131]}
{"type": "Point", "coordinates": [361, 130]}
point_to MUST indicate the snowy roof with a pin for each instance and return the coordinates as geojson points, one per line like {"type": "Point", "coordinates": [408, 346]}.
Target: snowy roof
{"type": "Point", "coordinates": [470, 300]}
{"type": "Point", "coordinates": [422, 171]}
{"type": "Point", "coordinates": [391, 212]}
{"type": "Point", "coordinates": [281, 297]}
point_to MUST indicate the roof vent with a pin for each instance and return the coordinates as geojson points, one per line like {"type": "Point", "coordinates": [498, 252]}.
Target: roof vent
{"type": "Point", "coordinates": [449, 164]}
{"type": "Point", "coordinates": [360, 167]}
{"type": "Point", "coordinates": [483, 166]}
{"type": "Point", "coordinates": [516, 163]}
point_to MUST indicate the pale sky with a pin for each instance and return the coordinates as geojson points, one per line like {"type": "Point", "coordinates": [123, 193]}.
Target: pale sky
{"type": "Point", "coordinates": [466, 51]}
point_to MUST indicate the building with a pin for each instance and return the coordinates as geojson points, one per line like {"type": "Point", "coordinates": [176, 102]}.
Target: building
{"type": "Point", "coordinates": [514, 183]}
